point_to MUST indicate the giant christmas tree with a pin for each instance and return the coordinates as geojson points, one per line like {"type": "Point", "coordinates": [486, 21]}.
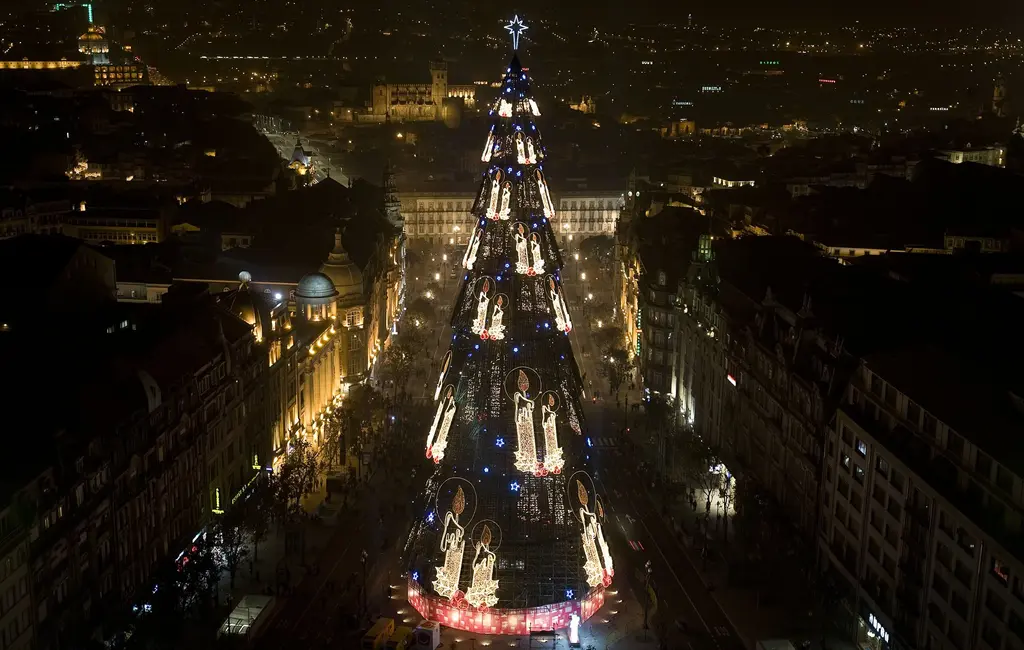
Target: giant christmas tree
{"type": "Point", "coordinates": [511, 539]}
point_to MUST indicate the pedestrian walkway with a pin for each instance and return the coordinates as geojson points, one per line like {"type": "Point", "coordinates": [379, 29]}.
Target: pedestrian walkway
{"type": "Point", "coordinates": [786, 611]}
{"type": "Point", "coordinates": [602, 442]}
{"type": "Point", "coordinates": [288, 553]}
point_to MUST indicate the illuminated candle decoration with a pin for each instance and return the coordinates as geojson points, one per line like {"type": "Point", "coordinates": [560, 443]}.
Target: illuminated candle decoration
{"type": "Point", "coordinates": [545, 196]}
{"type": "Point", "coordinates": [483, 587]}
{"type": "Point", "coordinates": [496, 329]}
{"type": "Point", "coordinates": [522, 249]}
{"type": "Point", "coordinates": [488, 148]}
{"type": "Point", "coordinates": [554, 460]}
{"type": "Point", "coordinates": [592, 565]}
{"type": "Point", "coordinates": [609, 568]}
{"type": "Point", "coordinates": [437, 440]}
{"type": "Point", "coordinates": [537, 265]}
{"type": "Point", "coordinates": [558, 307]}
{"type": "Point", "coordinates": [483, 303]}
{"type": "Point", "coordinates": [495, 194]}
{"type": "Point", "coordinates": [469, 259]}
{"type": "Point", "coordinates": [526, 454]}
{"type": "Point", "coordinates": [531, 153]}
{"type": "Point", "coordinates": [574, 629]}
{"type": "Point", "coordinates": [453, 543]}
{"type": "Point", "coordinates": [520, 150]}
{"type": "Point", "coordinates": [504, 108]}
{"type": "Point", "coordinates": [504, 211]}
{"type": "Point", "coordinates": [533, 108]}
{"type": "Point", "coordinates": [446, 362]}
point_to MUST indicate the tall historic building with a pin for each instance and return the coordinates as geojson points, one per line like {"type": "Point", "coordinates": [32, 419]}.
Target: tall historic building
{"type": "Point", "coordinates": [435, 101]}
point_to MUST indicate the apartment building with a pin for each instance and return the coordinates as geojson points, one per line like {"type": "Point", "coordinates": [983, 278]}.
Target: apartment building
{"type": "Point", "coordinates": [923, 504]}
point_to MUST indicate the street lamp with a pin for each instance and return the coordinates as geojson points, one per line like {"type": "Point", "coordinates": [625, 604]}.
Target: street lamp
{"type": "Point", "coordinates": [437, 276]}
{"type": "Point", "coordinates": [583, 276]}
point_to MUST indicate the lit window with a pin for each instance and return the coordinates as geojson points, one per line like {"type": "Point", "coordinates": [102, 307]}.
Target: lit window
{"type": "Point", "coordinates": [862, 448]}
{"type": "Point", "coordinates": [846, 461]}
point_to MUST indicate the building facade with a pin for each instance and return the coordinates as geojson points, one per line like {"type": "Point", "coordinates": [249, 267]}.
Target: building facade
{"type": "Point", "coordinates": [444, 218]}
{"type": "Point", "coordinates": [922, 520]}
{"type": "Point", "coordinates": [418, 102]}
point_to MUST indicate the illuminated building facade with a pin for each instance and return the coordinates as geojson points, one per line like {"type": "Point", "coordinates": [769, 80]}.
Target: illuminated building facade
{"type": "Point", "coordinates": [121, 75]}
{"type": "Point", "coordinates": [418, 102]}
{"type": "Point", "coordinates": [444, 217]}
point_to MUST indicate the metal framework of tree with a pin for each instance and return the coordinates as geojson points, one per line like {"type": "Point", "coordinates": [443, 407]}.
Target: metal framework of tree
{"type": "Point", "coordinates": [508, 417]}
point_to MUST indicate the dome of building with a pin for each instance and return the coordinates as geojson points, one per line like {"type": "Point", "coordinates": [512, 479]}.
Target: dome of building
{"type": "Point", "coordinates": [343, 272]}
{"type": "Point", "coordinates": [315, 287]}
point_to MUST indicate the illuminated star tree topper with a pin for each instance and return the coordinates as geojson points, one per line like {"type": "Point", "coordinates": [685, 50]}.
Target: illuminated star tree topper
{"type": "Point", "coordinates": [516, 27]}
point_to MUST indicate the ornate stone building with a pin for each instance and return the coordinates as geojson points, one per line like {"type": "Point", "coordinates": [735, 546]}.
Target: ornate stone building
{"type": "Point", "coordinates": [419, 102]}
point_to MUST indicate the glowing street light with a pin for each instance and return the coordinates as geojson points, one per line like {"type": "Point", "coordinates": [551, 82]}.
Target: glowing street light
{"type": "Point", "coordinates": [444, 257]}
{"type": "Point", "coordinates": [583, 276]}
{"type": "Point", "coordinates": [437, 276]}
{"type": "Point", "coordinates": [576, 256]}
{"type": "Point", "coordinates": [600, 323]}
{"type": "Point", "coordinates": [590, 296]}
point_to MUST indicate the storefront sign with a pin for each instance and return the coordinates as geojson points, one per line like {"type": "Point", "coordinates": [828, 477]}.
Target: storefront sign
{"type": "Point", "coordinates": [877, 627]}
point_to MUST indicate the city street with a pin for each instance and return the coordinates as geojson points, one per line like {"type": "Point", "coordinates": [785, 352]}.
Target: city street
{"type": "Point", "coordinates": [692, 617]}
{"type": "Point", "coordinates": [324, 163]}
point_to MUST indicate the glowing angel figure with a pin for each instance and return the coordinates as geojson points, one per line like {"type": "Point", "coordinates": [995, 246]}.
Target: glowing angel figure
{"type": "Point", "coordinates": [531, 153]}
{"type": "Point", "coordinates": [496, 330]}
{"type": "Point", "coordinates": [595, 574]}
{"type": "Point", "coordinates": [492, 206]}
{"type": "Point", "coordinates": [453, 543]}
{"type": "Point", "coordinates": [602, 543]}
{"type": "Point", "coordinates": [521, 157]}
{"type": "Point", "coordinates": [445, 363]}
{"type": "Point", "coordinates": [481, 592]}
{"type": "Point", "coordinates": [505, 108]}
{"type": "Point", "coordinates": [522, 254]}
{"type": "Point", "coordinates": [504, 211]}
{"type": "Point", "coordinates": [558, 307]}
{"type": "Point", "coordinates": [480, 324]}
{"type": "Point", "coordinates": [526, 454]}
{"type": "Point", "coordinates": [437, 440]}
{"type": "Point", "coordinates": [553, 459]}
{"type": "Point", "coordinates": [537, 267]}
{"type": "Point", "coordinates": [545, 196]}
{"type": "Point", "coordinates": [488, 148]}
{"type": "Point", "coordinates": [469, 259]}
{"type": "Point", "coordinates": [534, 109]}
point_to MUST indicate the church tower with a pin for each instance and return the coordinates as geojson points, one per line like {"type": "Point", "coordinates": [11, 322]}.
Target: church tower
{"type": "Point", "coordinates": [392, 205]}
{"type": "Point", "coordinates": [438, 87]}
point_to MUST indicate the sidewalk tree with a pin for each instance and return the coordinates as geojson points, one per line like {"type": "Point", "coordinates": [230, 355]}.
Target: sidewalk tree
{"type": "Point", "coordinates": [229, 539]}
{"type": "Point", "coordinates": [398, 360]}
{"type": "Point", "coordinates": [615, 366]}
{"type": "Point", "coordinates": [599, 249]}
{"type": "Point", "coordinates": [257, 512]}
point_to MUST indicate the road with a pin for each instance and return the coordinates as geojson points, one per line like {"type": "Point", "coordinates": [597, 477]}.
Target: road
{"type": "Point", "coordinates": [323, 160]}
{"type": "Point", "coordinates": [640, 534]}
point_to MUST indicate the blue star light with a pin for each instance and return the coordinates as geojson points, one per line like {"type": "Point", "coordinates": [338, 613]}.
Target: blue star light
{"type": "Point", "coordinates": [569, 594]}
{"type": "Point", "coordinates": [416, 576]}
{"type": "Point", "coordinates": [500, 442]}
{"type": "Point", "coordinates": [514, 486]}
{"type": "Point", "coordinates": [516, 27]}
{"type": "Point", "coordinates": [430, 517]}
